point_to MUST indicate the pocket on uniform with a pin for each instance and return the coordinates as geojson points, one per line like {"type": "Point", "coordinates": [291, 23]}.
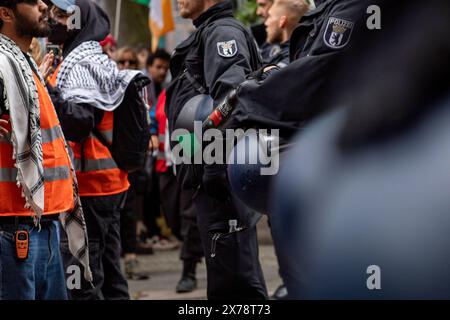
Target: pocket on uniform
{"type": "Point", "coordinates": [224, 244]}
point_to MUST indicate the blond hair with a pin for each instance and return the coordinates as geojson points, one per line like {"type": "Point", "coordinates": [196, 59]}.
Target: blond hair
{"type": "Point", "coordinates": [293, 9]}
{"type": "Point", "coordinates": [35, 51]}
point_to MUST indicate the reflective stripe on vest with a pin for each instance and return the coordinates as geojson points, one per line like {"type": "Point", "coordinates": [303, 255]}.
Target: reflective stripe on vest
{"type": "Point", "coordinates": [95, 165]}
{"type": "Point", "coordinates": [48, 135]}
{"type": "Point", "coordinates": [50, 174]}
{"type": "Point", "coordinates": [100, 175]}
{"type": "Point", "coordinates": [58, 184]}
{"type": "Point", "coordinates": [107, 135]}
{"type": "Point", "coordinates": [52, 134]}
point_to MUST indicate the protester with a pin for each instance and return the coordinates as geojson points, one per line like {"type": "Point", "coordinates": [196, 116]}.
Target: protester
{"type": "Point", "coordinates": [142, 52]}
{"type": "Point", "coordinates": [37, 178]}
{"type": "Point", "coordinates": [88, 91]}
{"type": "Point", "coordinates": [127, 59]}
{"type": "Point", "coordinates": [129, 214]}
{"type": "Point", "coordinates": [36, 52]}
{"type": "Point", "coordinates": [109, 46]}
{"type": "Point", "coordinates": [177, 204]}
{"type": "Point", "coordinates": [157, 69]}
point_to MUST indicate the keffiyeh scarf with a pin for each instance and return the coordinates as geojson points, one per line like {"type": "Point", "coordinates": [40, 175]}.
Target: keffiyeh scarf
{"type": "Point", "coordinates": [89, 76]}
{"type": "Point", "coordinates": [22, 101]}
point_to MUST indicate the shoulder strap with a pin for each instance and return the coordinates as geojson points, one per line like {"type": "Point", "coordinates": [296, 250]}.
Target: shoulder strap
{"type": "Point", "coordinates": [197, 85]}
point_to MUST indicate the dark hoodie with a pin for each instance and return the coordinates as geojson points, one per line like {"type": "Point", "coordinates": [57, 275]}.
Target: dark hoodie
{"type": "Point", "coordinates": [95, 26]}
{"type": "Point", "coordinates": [78, 120]}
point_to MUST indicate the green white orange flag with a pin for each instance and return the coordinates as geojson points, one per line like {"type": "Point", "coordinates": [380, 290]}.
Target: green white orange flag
{"type": "Point", "coordinates": [160, 18]}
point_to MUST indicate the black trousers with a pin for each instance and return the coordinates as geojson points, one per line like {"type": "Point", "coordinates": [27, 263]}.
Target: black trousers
{"type": "Point", "coordinates": [232, 260]}
{"type": "Point", "coordinates": [181, 216]}
{"type": "Point", "coordinates": [102, 215]}
{"type": "Point", "coordinates": [152, 204]}
{"type": "Point", "coordinates": [129, 217]}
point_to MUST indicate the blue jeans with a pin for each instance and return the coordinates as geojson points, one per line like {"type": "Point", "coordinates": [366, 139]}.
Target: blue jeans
{"type": "Point", "coordinates": [41, 276]}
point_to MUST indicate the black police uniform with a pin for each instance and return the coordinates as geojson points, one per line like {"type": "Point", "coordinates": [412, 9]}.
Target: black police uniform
{"type": "Point", "coordinates": [267, 51]}
{"type": "Point", "coordinates": [299, 91]}
{"type": "Point", "coordinates": [215, 59]}
{"type": "Point", "coordinates": [280, 55]}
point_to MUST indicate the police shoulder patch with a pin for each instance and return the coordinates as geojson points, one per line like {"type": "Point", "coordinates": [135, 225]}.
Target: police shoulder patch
{"type": "Point", "coordinates": [227, 49]}
{"type": "Point", "coordinates": [338, 32]}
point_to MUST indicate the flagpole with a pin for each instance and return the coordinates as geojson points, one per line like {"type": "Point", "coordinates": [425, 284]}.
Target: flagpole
{"type": "Point", "coordinates": [118, 14]}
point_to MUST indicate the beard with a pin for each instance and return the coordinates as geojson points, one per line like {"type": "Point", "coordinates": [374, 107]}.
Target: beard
{"type": "Point", "coordinates": [28, 28]}
{"type": "Point", "coordinates": [275, 38]}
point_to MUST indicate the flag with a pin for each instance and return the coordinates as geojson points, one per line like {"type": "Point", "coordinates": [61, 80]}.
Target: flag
{"type": "Point", "coordinates": [160, 20]}
{"type": "Point", "coordinates": [142, 2]}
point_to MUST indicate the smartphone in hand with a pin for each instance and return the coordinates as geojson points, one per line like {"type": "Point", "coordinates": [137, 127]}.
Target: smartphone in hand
{"type": "Point", "coordinates": [56, 53]}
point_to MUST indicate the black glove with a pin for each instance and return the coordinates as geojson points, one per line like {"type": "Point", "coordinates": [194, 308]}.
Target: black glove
{"type": "Point", "coordinates": [261, 75]}
{"type": "Point", "coordinates": [215, 181]}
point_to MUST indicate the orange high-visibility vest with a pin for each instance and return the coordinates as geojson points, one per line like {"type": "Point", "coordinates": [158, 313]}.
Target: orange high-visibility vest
{"type": "Point", "coordinates": [52, 79]}
{"type": "Point", "coordinates": [100, 175]}
{"type": "Point", "coordinates": [58, 186]}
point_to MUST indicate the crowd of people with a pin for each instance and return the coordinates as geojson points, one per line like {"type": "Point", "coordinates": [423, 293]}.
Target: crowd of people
{"type": "Point", "coordinates": [89, 173]}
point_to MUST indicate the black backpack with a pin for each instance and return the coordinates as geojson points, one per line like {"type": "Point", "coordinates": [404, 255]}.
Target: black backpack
{"type": "Point", "coordinates": [131, 133]}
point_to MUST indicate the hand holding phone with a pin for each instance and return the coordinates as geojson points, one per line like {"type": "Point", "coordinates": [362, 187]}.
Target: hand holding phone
{"type": "Point", "coordinates": [46, 67]}
{"type": "Point", "coordinates": [56, 50]}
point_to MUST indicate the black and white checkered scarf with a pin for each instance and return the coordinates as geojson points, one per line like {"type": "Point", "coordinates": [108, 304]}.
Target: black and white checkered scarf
{"type": "Point", "coordinates": [22, 101]}
{"type": "Point", "coordinates": [88, 76]}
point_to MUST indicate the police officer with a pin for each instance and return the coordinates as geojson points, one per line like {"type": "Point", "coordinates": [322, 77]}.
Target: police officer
{"type": "Point", "coordinates": [299, 91]}
{"type": "Point", "coordinates": [266, 48]}
{"type": "Point", "coordinates": [288, 98]}
{"type": "Point", "coordinates": [281, 21]}
{"type": "Point", "coordinates": [214, 60]}
{"type": "Point", "coordinates": [291, 97]}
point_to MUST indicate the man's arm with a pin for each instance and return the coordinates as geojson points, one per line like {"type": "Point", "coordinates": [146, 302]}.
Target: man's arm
{"type": "Point", "coordinates": [77, 120]}
{"type": "Point", "coordinates": [227, 60]}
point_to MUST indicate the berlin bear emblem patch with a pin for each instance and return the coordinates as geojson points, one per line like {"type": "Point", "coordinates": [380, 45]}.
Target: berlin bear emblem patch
{"type": "Point", "coordinates": [338, 32]}
{"type": "Point", "coordinates": [227, 49]}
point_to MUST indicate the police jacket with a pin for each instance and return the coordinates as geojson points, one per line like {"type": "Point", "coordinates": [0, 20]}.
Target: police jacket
{"type": "Point", "coordinates": [280, 55]}
{"type": "Point", "coordinates": [290, 97]}
{"type": "Point", "coordinates": [218, 56]}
